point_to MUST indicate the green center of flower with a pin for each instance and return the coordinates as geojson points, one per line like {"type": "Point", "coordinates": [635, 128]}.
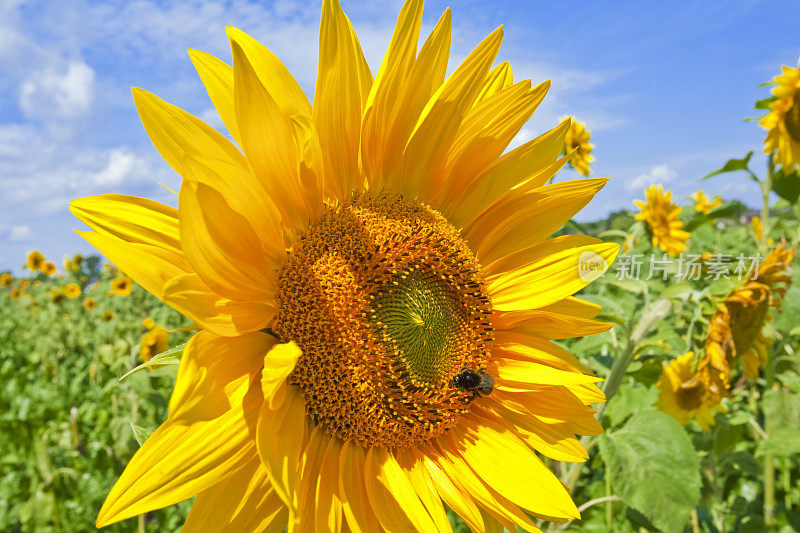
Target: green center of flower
{"type": "Point", "coordinates": [792, 118]}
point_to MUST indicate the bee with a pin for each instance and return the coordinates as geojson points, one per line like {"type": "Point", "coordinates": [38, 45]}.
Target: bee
{"type": "Point", "coordinates": [478, 382]}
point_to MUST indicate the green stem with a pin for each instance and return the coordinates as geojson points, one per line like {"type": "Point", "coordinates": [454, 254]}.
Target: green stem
{"type": "Point", "coordinates": [769, 459]}
{"type": "Point", "coordinates": [609, 504]}
{"type": "Point", "coordinates": [766, 189]}
{"type": "Point", "coordinates": [141, 523]}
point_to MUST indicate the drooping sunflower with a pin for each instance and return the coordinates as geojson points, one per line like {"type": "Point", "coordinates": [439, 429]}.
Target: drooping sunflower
{"type": "Point", "coordinates": [35, 260]}
{"type": "Point", "coordinates": [56, 295]}
{"type": "Point", "coordinates": [121, 286]}
{"type": "Point", "coordinates": [90, 304]}
{"type": "Point", "coordinates": [736, 327]}
{"type": "Point", "coordinates": [576, 142]}
{"type": "Point", "coordinates": [702, 204]}
{"type": "Point", "coordinates": [376, 290]}
{"type": "Point", "coordinates": [6, 279]}
{"type": "Point", "coordinates": [108, 316]}
{"type": "Point", "coordinates": [661, 216]}
{"type": "Point", "coordinates": [72, 290]}
{"type": "Point", "coordinates": [684, 394]}
{"type": "Point", "coordinates": [783, 120]}
{"type": "Point", "coordinates": [154, 342]}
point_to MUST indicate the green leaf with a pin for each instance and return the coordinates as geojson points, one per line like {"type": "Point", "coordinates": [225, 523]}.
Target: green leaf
{"type": "Point", "coordinates": [787, 186]}
{"type": "Point", "coordinates": [733, 165]}
{"type": "Point", "coordinates": [629, 401]}
{"type": "Point", "coordinates": [654, 468]}
{"type": "Point", "coordinates": [170, 357]}
{"type": "Point", "coordinates": [141, 434]}
{"type": "Point", "coordinates": [764, 102]}
{"type": "Point", "coordinates": [784, 442]}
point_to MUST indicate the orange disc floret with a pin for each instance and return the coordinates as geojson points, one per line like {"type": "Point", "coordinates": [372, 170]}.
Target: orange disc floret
{"type": "Point", "coordinates": [387, 303]}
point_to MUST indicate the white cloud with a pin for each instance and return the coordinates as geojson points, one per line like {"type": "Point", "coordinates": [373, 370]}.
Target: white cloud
{"type": "Point", "coordinates": [63, 93]}
{"type": "Point", "coordinates": [121, 165]}
{"type": "Point", "coordinates": [20, 234]}
{"type": "Point", "coordinates": [658, 174]}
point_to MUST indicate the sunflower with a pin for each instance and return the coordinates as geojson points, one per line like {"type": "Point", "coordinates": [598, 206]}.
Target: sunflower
{"type": "Point", "coordinates": [90, 304]}
{"type": "Point", "coordinates": [702, 205]}
{"type": "Point", "coordinates": [684, 394]}
{"type": "Point", "coordinates": [154, 342]}
{"type": "Point", "coordinates": [576, 142]}
{"type": "Point", "coordinates": [376, 291]}
{"type": "Point", "coordinates": [24, 283]}
{"type": "Point", "coordinates": [661, 216]}
{"type": "Point", "coordinates": [148, 323]}
{"type": "Point", "coordinates": [72, 290]}
{"type": "Point", "coordinates": [783, 120]}
{"type": "Point", "coordinates": [35, 260]}
{"type": "Point", "coordinates": [6, 279]}
{"type": "Point", "coordinates": [15, 292]}
{"type": "Point", "coordinates": [49, 268]}
{"type": "Point", "coordinates": [56, 295]}
{"type": "Point", "coordinates": [108, 316]}
{"type": "Point", "coordinates": [121, 286]}
{"type": "Point", "coordinates": [736, 327]}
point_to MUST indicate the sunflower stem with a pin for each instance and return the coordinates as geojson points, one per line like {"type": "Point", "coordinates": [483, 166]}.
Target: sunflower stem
{"type": "Point", "coordinates": [769, 459]}
{"type": "Point", "coordinates": [609, 504]}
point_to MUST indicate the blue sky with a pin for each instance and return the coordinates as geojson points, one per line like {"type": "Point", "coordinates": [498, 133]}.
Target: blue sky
{"type": "Point", "coordinates": [663, 87]}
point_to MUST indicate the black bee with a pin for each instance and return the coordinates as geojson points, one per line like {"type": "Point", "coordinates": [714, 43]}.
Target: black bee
{"type": "Point", "coordinates": [474, 381]}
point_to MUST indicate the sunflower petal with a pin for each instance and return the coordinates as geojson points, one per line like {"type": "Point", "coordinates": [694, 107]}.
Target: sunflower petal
{"type": "Point", "coordinates": [455, 498]}
{"type": "Point", "coordinates": [244, 502]}
{"type": "Point", "coordinates": [149, 266]}
{"type": "Point", "coordinates": [394, 500]}
{"type": "Point", "coordinates": [514, 374]}
{"type": "Point", "coordinates": [546, 279]}
{"type": "Point", "coordinates": [189, 453]}
{"type": "Point", "coordinates": [343, 84]}
{"type": "Point", "coordinates": [412, 463]}
{"type": "Point", "coordinates": [328, 499]}
{"type": "Point", "coordinates": [547, 325]}
{"type": "Point", "coordinates": [507, 465]}
{"type": "Point", "coordinates": [217, 77]}
{"type": "Point", "coordinates": [498, 79]}
{"type": "Point", "coordinates": [190, 296]}
{"type": "Point", "coordinates": [222, 246]}
{"type": "Point", "coordinates": [131, 219]}
{"type": "Point", "coordinates": [355, 502]}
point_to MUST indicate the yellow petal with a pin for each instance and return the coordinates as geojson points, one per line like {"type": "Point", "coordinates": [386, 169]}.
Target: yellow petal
{"type": "Point", "coordinates": [343, 83]}
{"type": "Point", "coordinates": [524, 257]}
{"type": "Point", "coordinates": [149, 266]}
{"type": "Point", "coordinates": [457, 499]}
{"type": "Point", "coordinates": [268, 141]}
{"type": "Point", "coordinates": [176, 133]}
{"type": "Point", "coordinates": [552, 405]}
{"type": "Point", "coordinates": [514, 374]}
{"type": "Point", "coordinates": [210, 364]}
{"type": "Point", "coordinates": [244, 502]}
{"type": "Point", "coordinates": [394, 500]}
{"type": "Point", "coordinates": [278, 365]}
{"type": "Point", "coordinates": [498, 79]}
{"type": "Point", "coordinates": [425, 77]}
{"type": "Point", "coordinates": [187, 454]}
{"type": "Point", "coordinates": [131, 219]}
{"type": "Point", "coordinates": [413, 464]}
{"type": "Point", "coordinates": [504, 174]}
{"type": "Point", "coordinates": [190, 296]}
{"type": "Point", "coordinates": [487, 130]}
{"type": "Point", "coordinates": [273, 75]}
{"type": "Point", "coordinates": [386, 94]}
{"type": "Point", "coordinates": [547, 325]}
{"type": "Point", "coordinates": [217, 76]}
{"type": "Point", "coordinates": [418, 175]}
{"type": "Point", "coordinates": [512, 345]}
{"type": "Point", "coordinates": [546, 279]}
{"type": "Point", "coordinates": [280, 439]}
{"type": "Point", "coordinates": [522, 220]}
{"type": "Point", "coordinates": [309, 478]}
{"type": "Point", "coordinates": [355, 502]}
{"type": "Point", "coordinates": [328, 502]}
{"type": "Point", "coordinates": [222, 246]}
{"type": "Point", "coordinates": [507, 465]}
{"type": "Point", "coordinates": [572, 306]}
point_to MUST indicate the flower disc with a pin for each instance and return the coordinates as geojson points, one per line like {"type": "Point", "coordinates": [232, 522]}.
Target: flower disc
{"type": "Point", "coordinates": [387, 303]}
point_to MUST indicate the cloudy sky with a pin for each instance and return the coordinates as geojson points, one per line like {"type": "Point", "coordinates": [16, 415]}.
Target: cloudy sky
{"type": "Point", "coordinates": [664, 88]}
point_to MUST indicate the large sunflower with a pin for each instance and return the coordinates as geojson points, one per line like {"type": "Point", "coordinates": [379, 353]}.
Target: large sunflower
{"type": "Point", "coordinates": [361, 271]}
{"type": "Point", "coordinates": [783, 120]}
{"type": "Point", "coordinates": [661, 216]}
{"type": "Point", "coordinates": [736, 327]}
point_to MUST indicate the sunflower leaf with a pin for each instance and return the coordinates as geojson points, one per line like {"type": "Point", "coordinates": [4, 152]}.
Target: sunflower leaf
{"type": "Point", "coordinates": [141, 434]}
{"type": "Point", "coordinates": [654, 468]}
{"type": "Point", "coordinates": [170, 357]}
{"type": "Point", "coordinates": [733, 165]}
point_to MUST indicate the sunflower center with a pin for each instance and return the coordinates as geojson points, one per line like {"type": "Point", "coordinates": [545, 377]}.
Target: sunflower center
{"type": "Point", "coordinates": [792, 118]}
{"type": "Point", "coordinates": [690, 394]}
{"type": "Point", "coordinates": [387, 303]}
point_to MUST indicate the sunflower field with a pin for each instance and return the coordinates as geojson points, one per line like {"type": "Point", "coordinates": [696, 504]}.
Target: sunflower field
{"type": "Point", "coordinates": [643, 375]}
